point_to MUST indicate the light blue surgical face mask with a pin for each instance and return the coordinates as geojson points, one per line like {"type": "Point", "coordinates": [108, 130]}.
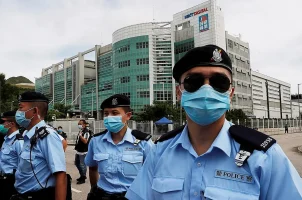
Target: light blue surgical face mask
{"type": "Point", "coordinates": [113, 123]}
{"type": "Point", "coordinates": [21, 118]}
{"type": "Point", "coordinates": [3, 130]}
{"type": "Point", "coordinates": [206, 105]}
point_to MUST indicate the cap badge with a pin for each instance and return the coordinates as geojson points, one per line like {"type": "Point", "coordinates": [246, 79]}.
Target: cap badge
{"type": "Point", "coordinates": [114, 101]}
{"type": "Point", "coordinates": [216, 55]}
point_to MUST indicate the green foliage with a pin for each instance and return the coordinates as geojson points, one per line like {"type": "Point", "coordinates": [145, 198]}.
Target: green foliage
{"type": "Point", "coordinates": [160, 109]}
{"type": "Point", "coordinates": [54, 113]}
{"type": "Point", "coordinates": [18, 79]}
{"type": "Point", "coordinates": [9, 95]}
{"type": "Point", "coordinates": [235, 114]}
{"type": "Point", "coordinates": [59, 111]}
{"type": "Point", "coordinates": [62, 108]}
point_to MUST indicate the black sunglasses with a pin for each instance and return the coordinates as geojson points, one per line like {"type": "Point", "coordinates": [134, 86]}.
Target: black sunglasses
{"type": "Point", "coordinates": [220, 82]}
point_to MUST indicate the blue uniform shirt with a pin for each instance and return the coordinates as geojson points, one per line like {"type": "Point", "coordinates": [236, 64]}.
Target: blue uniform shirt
{"type": "Point", "coordinates": [9, 155]}
{"type": "Point", "coordinates": [47, 158]}
{"type": "Point", "coordinates": [118, 164]}
{"type": "Point", "coordinates": [174, 171]}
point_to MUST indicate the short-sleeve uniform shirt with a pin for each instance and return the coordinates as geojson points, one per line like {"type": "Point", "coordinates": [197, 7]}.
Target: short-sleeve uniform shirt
{"type": "Point", "coordinates": [118, 164]}
{"type": "Point", "coordinates": [173, 171]}
{"type": "Point", "coordinates": [47, 158]}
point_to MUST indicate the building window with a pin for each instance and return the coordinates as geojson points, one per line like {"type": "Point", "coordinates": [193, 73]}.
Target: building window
{"type": "Point", "coordinates": [127, 94]}
{"type": "Point", "coordinates": [125, 79]}
{"type": "Point", "coordinates": [107, 86]}
{"type": "Point", "coordinates": [246, 50]}
{"type": "Point", "coordinates": [231, 57]}
{"type": "Point", "coordinates": [184, 47]}
{"type": "Point", "coordinates": [124, 48]}
{"type": "Point", "coordinates": [143, 94]}
{"type": "Point", "coordinates": [142, 61]}
{"type": "Point", "coordinates": [125, 63]}
{"type": "Point", "coordinates": [142, 45]}
{"type": "Point", "coordinates": [230, 43]}
{"type": "Point", "coordinates": [142, 78]}
{"type": "Point", "coordinates": [241, 48]}
{"type": "Point", "coordinates": [162, 95]}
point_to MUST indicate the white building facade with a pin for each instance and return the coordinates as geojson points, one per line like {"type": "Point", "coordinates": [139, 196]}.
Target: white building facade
{"type": "Point", "coordinates": [239, 53]}
{"type": "Point", "coordinates": [271, 97]}
{"type": "Point", "coordinates": [197, 26]}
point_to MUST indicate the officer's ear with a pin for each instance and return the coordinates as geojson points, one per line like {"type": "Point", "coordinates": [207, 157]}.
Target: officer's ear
{"type": "Point", "coordinates": [178, 92]}
{"type": "Point", "coordinates": [128, 114]}
{"type": "Point", "coordinates": [232, 93]}
{"type": "Point", "coordinates": [15, 124]}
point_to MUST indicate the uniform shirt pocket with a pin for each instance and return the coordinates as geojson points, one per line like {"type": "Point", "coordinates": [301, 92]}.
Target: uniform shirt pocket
{"type": "Point", "coordinates": [168, 188]}
{"type": "Point", "coordinates": [25, 163]}
{"type": "Point", "coordinates": [6, 151]}
{"type": "Point", "coordinates": [132, 163]}
{"type": "Point", "coordinates": [214, 193]}
{"type": "Point", "coordinates": [102, 160]}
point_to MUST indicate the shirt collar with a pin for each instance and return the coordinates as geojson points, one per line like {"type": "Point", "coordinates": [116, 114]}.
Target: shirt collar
{"type": "Point", "coordinates": [183, 139]}
{"type": "Point", "coordinates": [222, 141]}
{"type": "Point", "coordinates": [32, 131]}
{"type": "Point", "coordinates": [127, 137]}
{"type": "Point", "coordinates": [11, 135]}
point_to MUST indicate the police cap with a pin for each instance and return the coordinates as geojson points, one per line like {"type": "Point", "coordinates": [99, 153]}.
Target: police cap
{"type": "Point", "coordinates": [8, 114]}
{"type": "Point", "coordinates": [117, 100]}
{"type": "Point", "coordinates": [206, 56]}
{"type": "Point", "coordinates": [33, 97]}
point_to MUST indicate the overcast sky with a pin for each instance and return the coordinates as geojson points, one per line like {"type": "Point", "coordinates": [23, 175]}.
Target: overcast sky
{"type": "Point", "coordinates": [35, 34]}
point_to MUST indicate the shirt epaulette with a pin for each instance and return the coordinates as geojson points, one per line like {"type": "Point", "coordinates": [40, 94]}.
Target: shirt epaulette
{"type": "Point", "coordinates": [18, 137]}
{"type": "Point", "coordinates": [249, 140]}
{"type": "Point", "coordinates": [40, 133]}
{"type": "Point", "coordinates": [170, 134]}
{"type": "Point", "coordinates": [101, 133]}
{"type": "Point", "coordinates": [139, 136]}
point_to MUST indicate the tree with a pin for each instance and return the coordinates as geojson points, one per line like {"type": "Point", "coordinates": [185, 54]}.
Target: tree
{"type": "Point", "coordinates": [160, 109]}
{"type": "Point", "coordinates": [54, 113]}
{"type": "Point", "coordinates": [8, 95]}
{"type": "Point", "coordinates": [59, 111]}
{"type": "Point", "coordinates": [62, 108]}
{"type": "Point", "coordinates": [235, 114]}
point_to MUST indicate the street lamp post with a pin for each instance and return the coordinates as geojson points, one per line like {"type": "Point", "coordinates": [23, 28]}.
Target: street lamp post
{"type": "Point", "coordinates": [163, 91]}
{"type": "Point", "coordinates": [299, 107]}
{"type": "Point", "coordinates": [11, 105]}
{"type": "Point", "coordinates": [92, 102]}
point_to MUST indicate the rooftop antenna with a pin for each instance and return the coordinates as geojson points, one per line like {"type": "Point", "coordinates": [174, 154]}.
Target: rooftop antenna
{"type": "Point", "coordinates": [153, 12]}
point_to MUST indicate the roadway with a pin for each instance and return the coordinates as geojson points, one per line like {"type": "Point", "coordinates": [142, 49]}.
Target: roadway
{"type": "Point", "coordinates": [289, 144]}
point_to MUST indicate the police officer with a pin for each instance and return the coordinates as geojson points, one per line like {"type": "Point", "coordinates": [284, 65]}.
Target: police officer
{"type": "Point", "coordinates": [41, 170]}
{"type": "Point", "coordinates": [9, 155]}
{"type": "Point", "coordinates": [209, 158]}
{"type": "Point", "coordinates": [116, 155]}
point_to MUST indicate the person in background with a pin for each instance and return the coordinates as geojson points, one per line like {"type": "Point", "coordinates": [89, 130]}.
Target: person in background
{"type": "Point", "coordinates": [9, 155]}
{"type": "Point", "coordinates": [64, 137]}
{"type": "Point", "coordinates": [286, 128]}
{"type": "Point", "coordinates": [81, 148]}
{"type": "Point", "coordinates": [61, 132]}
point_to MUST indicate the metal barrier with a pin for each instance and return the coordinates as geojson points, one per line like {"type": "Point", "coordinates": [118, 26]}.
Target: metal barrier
{"type": "Point", "coordinates": [268, 126]}
{"type": "Point", "coordinates": [272, 126]}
